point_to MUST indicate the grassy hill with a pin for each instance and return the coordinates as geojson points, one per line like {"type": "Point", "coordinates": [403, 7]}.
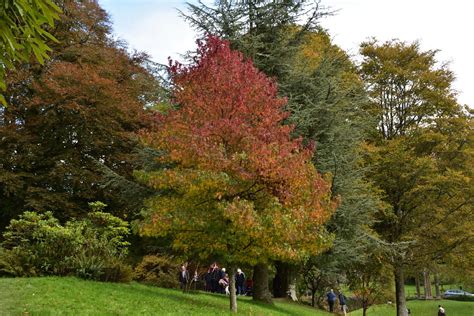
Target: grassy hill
{"type": "Point", "coordinates": [54, 295]}
{"type": "Point", "coordinates": [71, 296]}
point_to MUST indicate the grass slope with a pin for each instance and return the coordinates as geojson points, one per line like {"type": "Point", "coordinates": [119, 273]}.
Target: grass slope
{"type": "Point", "coordinates": [422, 308]}
{"type": "Point", "coordinates": [54, 295]}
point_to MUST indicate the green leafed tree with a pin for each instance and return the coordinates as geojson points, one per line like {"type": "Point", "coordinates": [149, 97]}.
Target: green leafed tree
{"type": "Point", "coordinates": [24, 32]}
{"type": "Point", "coordinates": [420, 156]}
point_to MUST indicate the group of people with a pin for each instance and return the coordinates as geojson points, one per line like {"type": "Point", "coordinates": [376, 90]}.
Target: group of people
{"type": "Point", "coordinates": [331, 298]}
{"type": "Point", "coordinates": [216, 280]}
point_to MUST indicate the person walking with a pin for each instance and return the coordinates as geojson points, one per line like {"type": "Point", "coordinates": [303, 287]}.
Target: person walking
{"type": "Point", "coordinates": [331, 300]}
{"type": "Point", "coordinates": [342, 302]}
{"type": "Point", "coordinates": [240, 282]}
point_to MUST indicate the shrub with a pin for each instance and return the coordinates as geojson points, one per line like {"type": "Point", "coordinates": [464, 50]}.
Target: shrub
{"type": "Point", "coordinates": [36, 244]}
{"type": "Point", "coordinates": [91, 248]}
{"type": "Point", "coordinates": [157, 270]}
{"type": "Point", "coordinates": [117, 271]}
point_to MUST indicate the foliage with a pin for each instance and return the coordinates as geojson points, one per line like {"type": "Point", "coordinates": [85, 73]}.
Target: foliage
{"type": "Point", "coordinates": [23, 32]}
{"type": "Point", "coordinates": [258, 28]}
{"type": "Point", "coordinates": [326, 101]}
{"type": "Point", "coordinates": [327, 106]}
{"type": "Point", "coordinates": [370, 281]}
{"type": "Point", "coordinates": [40, 244]}
{"type": "Point", "coordinates": [37, 244]}
{"type": "Point", "coordinates": [70, 125]}
{"type": "Point", "coordinates": [420, 156]}
{"type": "Point", "coordinates": [408, 87]}
{"type": "Point", "coordinates": [157, 270]}
{"type": "Point", "coordinates": [318, 275]}
{"type": "Point", "coordinates": [234, 163]}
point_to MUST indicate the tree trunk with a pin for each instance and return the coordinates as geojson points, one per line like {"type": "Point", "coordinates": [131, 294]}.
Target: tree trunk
{"type": "Point", "coordinates": [233, 295]}
{"type": "Point", "coordinates": [280, 282]}
{"type": "Point", "coordinates": [438, 292]}
{"type": "Point", "coordinates": [400, 291]}
{"type": "Point", "coordinates": [260, 284]}
{"type": "Point", "coordinates": [427, 285]}
{"type": "Point", "coordinates": [313, 298]}
{"type": "Point", "coordinates": [284, 283]}
{"type": "Point", "coordinates": [417, 284]}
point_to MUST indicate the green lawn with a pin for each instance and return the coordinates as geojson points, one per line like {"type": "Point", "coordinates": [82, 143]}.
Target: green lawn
{"type": "Point", "coordinates": [423, 308]}
{"type": "Point", "coordinates": [71, 296]}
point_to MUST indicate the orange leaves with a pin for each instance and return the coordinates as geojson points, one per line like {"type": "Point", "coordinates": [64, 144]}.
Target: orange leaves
{"type": "Point", "coordinates": [237, 176]}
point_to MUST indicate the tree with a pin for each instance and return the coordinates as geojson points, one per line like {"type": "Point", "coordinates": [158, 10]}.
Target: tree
{"type": "Point", "coordinates": [420, 155]}
{"type": "Point", "coordinates": [23, 33]}
{"type": "Point", "coordinates": [71, 118]}
{"type": "Point", "coordinates": [327, 106]}
{"type": "Point", "coordinates": [370, 281]}
{"type": "Point", "coordinates": [239, 188]}
{"type": "Point", "coordinates": [258, 28]}
{"type": "Point", "coordinates": [325, 99]}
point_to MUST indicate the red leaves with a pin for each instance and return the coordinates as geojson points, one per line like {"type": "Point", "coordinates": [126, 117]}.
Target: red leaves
{"type": "Point", "coordinates": [230, 118]}
{"type": "Point", "coordinates": [229, 129]}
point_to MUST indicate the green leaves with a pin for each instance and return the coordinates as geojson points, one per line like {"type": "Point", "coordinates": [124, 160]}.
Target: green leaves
{"type": "Point", "coordinates": [23, 33]}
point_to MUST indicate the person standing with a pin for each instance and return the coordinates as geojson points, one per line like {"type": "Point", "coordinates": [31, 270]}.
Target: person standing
{"type": "Point", "coordinates": [222, 280]}
{"type": "Point", "coordinates": [215, 274]}
{"type": "Point", "coordinates": [331, 300]}
{"type": "Point", "coordinates": [183, 277]}
{"type": "Point", "coordinates": [240, 282]}
{"type": "Point", "coordinates": [342, 302]}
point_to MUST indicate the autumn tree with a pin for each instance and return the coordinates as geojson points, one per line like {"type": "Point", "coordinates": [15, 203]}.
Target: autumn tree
{"type": "Point", "coordinates": [420, 155]}
{"type": "Point", "coordinates": [71, 118]}
{"type": "Point", "coordinates": [326, 101]}
{"type": "Point", "coordinates": [238, 188]}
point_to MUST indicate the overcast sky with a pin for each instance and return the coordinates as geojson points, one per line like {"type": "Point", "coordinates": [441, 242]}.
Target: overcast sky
{"type": "Point", "coordinates": [154, 26]}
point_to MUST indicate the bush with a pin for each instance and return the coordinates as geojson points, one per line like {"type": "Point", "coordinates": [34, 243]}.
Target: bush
{"type": "Point", "coordinates": [157, 270]}
{"type": "Point", "coordinates": [36, 244]}
{"type": "Point", "coordinates": [91, 248]}
{"type": "Point", "coordinates": [463, 298]}
{"type": "Point", "coordinates": [117, 271]}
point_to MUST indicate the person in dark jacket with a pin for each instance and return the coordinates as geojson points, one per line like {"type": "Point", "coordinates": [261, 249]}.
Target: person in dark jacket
{"type": "Point", "coordinates": [222, 274]}
{"type": "Point", "coordinates": [240, 282]}
{"type": "Point", "coordinates": [183, 277]}
{"type": "Point", "coordinates": [342, 302]}
{"type": "Point", "coordinates": [331, 300]}
{"type": "Point", "coordinates": [215, 277]}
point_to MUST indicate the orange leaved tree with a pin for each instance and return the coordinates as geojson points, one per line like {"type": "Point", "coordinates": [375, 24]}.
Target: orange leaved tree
{"type": "Point", "coordinates": [236, 186]}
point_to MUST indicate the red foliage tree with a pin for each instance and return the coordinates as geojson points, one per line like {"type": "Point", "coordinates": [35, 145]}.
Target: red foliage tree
{"type": "Point", "coordinates": [240, 188]}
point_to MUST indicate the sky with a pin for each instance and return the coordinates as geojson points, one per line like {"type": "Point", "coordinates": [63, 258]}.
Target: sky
{"type": "Point", "coordinates": [155, 26]}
